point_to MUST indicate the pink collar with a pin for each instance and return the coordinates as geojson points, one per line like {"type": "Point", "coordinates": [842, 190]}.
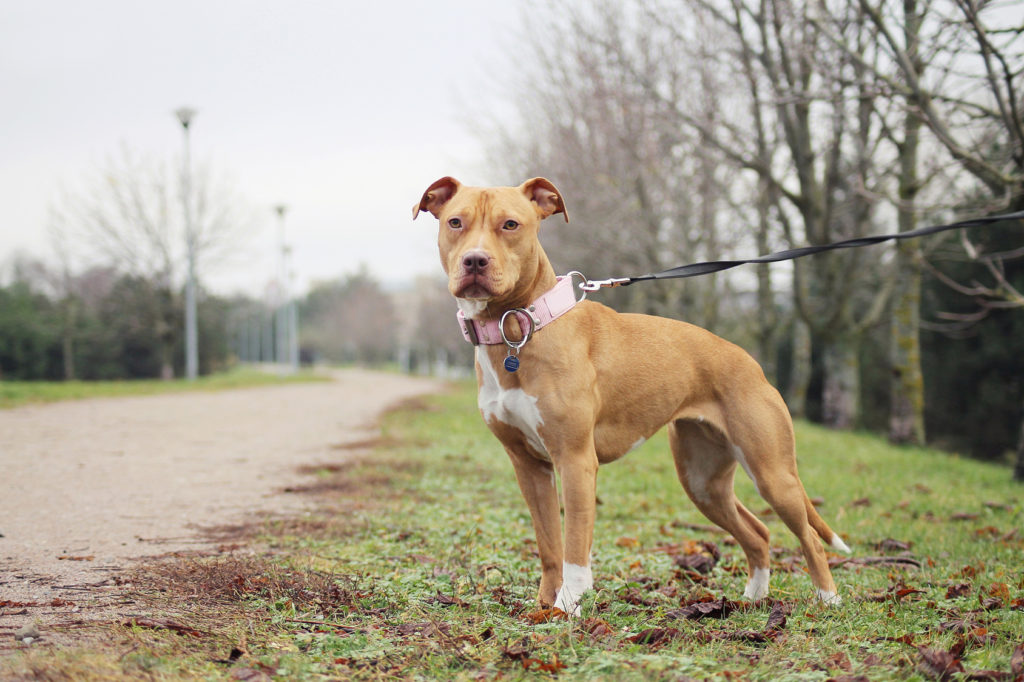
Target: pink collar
{"type": "Point", "coordinates": [545, 310]}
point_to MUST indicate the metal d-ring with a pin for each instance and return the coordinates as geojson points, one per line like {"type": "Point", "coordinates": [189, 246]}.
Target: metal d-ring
{"type": "Point", "coordinates": [582, 285]}
{"type": "Point", "coordinates": [526, 337]}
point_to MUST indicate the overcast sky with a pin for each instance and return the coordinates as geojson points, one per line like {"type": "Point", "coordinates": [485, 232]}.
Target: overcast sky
{"type": "Point", "coordinates": [345, 111]}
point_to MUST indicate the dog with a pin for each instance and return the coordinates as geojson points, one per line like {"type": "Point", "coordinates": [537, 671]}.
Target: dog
{"type": "Point", "coordinates": [567, 385]}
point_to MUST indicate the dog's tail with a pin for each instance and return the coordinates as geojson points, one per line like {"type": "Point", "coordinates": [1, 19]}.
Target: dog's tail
{"type": "Point", "coordinates": [827, 535]}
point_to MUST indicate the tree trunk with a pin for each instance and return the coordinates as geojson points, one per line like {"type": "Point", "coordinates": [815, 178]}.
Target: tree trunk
{"type": "Point", "coordinates": [68, 356]}
{"type": "Point", "coordinates": [69, 313]}
{"type": "Point", "coordinates": [800, 375]}
{"type": "Point", "coordinates": [906, 415]}
{"type": "Point", "coordinates": [841, 392]}
{"type": "Point", "coordinates": [767, 317]}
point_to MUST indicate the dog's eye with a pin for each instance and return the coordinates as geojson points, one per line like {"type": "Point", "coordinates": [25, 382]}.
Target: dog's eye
{"type": "Point", "coordinates": [455, 224]}
{"type": "Point", "coordinates": [510, 225]}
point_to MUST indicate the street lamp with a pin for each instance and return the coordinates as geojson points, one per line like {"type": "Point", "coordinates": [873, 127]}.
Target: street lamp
{"type": "Point", "coordinates": [185, 115]}
{"type": "Point", "coordinates": [288, 314]}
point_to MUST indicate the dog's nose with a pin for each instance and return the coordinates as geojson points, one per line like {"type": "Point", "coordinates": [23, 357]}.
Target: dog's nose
{"type": "Point", "coordinates": [475, 261]}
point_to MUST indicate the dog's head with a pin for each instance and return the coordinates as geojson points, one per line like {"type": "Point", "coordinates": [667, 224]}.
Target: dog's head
{"type": "Point", "coordinates": [488, 235]}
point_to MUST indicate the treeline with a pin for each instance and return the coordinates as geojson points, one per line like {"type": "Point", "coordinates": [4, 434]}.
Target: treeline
{"type": "Point", "coordinates": [102, 326]}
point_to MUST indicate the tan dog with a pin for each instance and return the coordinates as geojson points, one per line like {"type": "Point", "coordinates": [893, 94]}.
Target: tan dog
{"type": "Point", "coordinates": [593, 384]}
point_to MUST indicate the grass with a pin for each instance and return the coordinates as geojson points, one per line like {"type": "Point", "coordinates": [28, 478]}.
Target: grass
{"type": "Point", "coordinates": [423, 566]}
{"type": "Point", "coordinates": [16, 393]}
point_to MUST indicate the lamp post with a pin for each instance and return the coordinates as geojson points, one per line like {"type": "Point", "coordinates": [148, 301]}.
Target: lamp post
{"type": "Point", "coordinates": [287, 315]}
{"type": "Point", "coordinates": [185, 115]}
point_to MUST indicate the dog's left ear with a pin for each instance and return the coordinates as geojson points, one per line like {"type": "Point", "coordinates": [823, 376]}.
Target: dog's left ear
{"type": "Point", "coordinates": [436, 196]}
{"type": "Point", "coordinates": [547, 197]}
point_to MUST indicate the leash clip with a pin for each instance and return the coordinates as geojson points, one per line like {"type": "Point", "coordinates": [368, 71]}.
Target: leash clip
{"type": "Point", "coordinates": [595, 285]}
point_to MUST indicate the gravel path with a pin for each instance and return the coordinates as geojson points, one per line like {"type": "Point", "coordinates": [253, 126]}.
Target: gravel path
{"type": "Point", "coordinates": [86, 486]}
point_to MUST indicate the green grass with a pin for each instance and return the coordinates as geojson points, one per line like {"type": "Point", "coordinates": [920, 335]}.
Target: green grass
{"type": "Point", "coordinates": [16, 393]}
{"type": "Point", "coordinates": [425, 568]}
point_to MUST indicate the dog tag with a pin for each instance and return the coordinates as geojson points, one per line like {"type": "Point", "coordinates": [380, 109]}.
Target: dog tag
{"type": "Point", "coordinates": [511, 363]}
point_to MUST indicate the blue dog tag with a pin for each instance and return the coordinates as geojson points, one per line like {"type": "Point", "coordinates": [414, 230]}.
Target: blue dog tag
{"type": "Point", "coordinates": [511, 363]}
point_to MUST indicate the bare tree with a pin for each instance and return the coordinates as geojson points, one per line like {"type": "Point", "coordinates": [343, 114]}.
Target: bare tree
{"type": "Point", "coordinates": [126, 215]}
{"type": "Point", "coordinates": [980, 48]}
{"type": "Point", "coordinates": [642, 193]}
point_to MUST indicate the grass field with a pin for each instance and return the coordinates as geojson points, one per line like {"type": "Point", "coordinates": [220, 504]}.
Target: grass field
{"type": "Point", "coordinates": [422, 566]}
{"type": "Point", "coordinates": [15, 393]}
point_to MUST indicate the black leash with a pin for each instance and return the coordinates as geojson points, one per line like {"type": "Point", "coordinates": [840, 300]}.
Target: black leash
{"type": "Point", "coordinates": [708, 267]}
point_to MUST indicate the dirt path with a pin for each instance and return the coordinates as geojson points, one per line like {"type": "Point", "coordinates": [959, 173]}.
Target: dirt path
{"type": "Point", "coordinates": [86, 486]}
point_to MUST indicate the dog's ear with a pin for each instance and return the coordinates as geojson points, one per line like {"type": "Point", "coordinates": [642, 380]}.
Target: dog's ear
{"type": "Point", "coordinates": [547, 197]}
{"type": "Point", "coordinates": [436, 196]}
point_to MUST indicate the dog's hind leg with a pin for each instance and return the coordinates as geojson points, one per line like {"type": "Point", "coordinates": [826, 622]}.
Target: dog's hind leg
{"type": "Point", "coordinates": [706, 467]}
{"type": "Point", "coordinates": [781, 488]}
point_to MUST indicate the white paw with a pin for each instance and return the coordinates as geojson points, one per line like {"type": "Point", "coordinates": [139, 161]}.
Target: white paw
{"type": "Point", "coordinates": [829, 598]}
{"type": "Point", "coordinates": [575, 581]}
{"type": "Point", "coordinates": [838, 544]}
{"type": "Point", "coordinates": [568, 602]}
{"type": "Point", "coordinates": [757, 586]}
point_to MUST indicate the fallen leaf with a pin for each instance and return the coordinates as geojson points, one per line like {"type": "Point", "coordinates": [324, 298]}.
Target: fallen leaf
{"type": "Point", "coordinates": [654, 636]}
{"type": "Point", "coordinates": [989, 676]}
{"type": "Point", "coordinates": [516, 652]}
{"type": "Point", "coordinates": [777, 617]}
{"type": "Point", "coordinates": [958, 590]}
{"type": "Point", "coordinates": [1000, 590]}
{"type": "Point", "coordinates": [964, 516]}
{"type": "Point", "coordinates": [938, 664]}
{"type": "Point", "coordinates": [553, 667]}
{"type": "Point", "coordinates": [907, 639]}
{"type": "Point", "coordinates": [892, 545]}
{"type": "Point", "coordinates": [627, 542]}
{"type": "Point", "coordinates": [68, 557]}
{"type": "Point", "coordinates": [545, 615]}
{"type": "Point", "coordinates": [840, 661]}
{"type": "Point", "coordinates": [1017, 660]}
{"type": "Point", "coordinates": [701, 563]}
{"type": "Point", "coordinates": [862, 502]}
{"type": "Point", "coordinates": [445, 600]}
{"type": "Point", "coordinates": [597, 627]}
{"type": "Point", "coordinates": [906, 592]}
{"type": "Point", "coordinates": [703, 609]}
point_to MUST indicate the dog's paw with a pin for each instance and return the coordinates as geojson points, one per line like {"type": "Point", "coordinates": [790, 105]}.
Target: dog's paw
{"type": "Point", "coordinates": [829, 598]}
{"type": "Point", "coordinates": [575, 581]}
{"type": "Point", "coordinates": [568, 603]}
{"type": "Point", "coordinates": [757, 585]}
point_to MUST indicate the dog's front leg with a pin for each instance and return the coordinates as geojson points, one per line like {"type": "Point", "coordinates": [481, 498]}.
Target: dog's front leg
{"type": "Point", "coordinates": [578, 472]}
{"type": "Point", "coordinates": [537, 482]}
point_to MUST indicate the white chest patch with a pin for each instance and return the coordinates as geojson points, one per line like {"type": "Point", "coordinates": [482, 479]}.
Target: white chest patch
{"type": "Point", "coordinates": [514, 407]}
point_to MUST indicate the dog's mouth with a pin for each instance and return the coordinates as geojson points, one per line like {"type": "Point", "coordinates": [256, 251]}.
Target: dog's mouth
{"type": "Point", "coordinates": [473, 286]}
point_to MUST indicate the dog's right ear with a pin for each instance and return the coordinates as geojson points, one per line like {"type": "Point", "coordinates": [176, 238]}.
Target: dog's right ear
{"type": "Point", "coordinates": [436, 196]}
